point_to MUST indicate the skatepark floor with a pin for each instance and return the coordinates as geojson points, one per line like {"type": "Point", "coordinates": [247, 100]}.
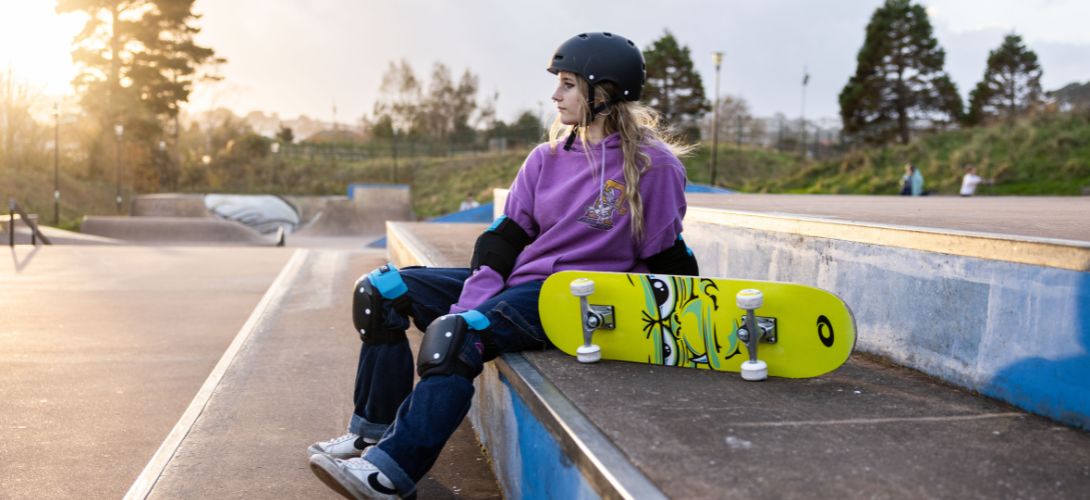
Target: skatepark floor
{"type": "Point", "coordinates": [106, 347]}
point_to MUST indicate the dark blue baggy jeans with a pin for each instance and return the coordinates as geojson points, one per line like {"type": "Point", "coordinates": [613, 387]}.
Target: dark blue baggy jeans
{"type": "Point", "coordinates": [413, 425]}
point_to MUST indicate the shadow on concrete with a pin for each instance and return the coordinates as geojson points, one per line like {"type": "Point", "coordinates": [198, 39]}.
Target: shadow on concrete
{"type": "Point", "coordinates": [21, 264]}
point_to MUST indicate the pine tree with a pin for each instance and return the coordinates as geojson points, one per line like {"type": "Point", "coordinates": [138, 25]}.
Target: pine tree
{"type": "Point", "coordinates": [138, 63]}
{"type": "Point", "coordinates": [1011, 83]}
{"type": "Point", "coordinates": [673, 87]}
{"type": "Point", "coordinates": [899, 77]}
{"type": "Point", "coordinates": [137, 57]}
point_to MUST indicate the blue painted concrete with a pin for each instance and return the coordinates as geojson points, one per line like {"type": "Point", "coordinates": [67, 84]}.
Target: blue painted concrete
{"type": "Point", "coordinates": [704, 188]}
{"type": "Point", "coordinates": [482, 213]}
{"type": "Point", "coordinates": [526, 458]}
{"type": "Point", "coordinates": [1016, 332]}
{"type": "Point", "coordinates": [546, 471]}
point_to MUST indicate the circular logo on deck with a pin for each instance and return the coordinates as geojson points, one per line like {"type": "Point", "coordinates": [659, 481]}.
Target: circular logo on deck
{"type": "Point", "coordinates": [825, 331]}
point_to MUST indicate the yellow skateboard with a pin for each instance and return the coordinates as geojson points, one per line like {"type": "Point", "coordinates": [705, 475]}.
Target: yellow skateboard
{"type": "Point", "coordinates": [697, 322]}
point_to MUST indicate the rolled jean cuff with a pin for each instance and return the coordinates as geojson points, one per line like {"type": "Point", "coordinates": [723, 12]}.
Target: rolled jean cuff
{"type": "Point", "coordinates": [405, 486]}
{"type": "Point", "coordinates": [361, 427]}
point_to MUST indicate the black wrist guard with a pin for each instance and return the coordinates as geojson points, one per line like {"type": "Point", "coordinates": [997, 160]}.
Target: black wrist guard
{"type": "Point", "coordinates": [499, 246]}
{"type": "Point", "coordinates": [677, 260]}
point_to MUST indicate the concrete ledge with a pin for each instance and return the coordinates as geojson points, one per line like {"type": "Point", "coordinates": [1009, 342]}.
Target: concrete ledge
{"type": "Point", "coordinates": [1002, 314]}
{"type": "Point", "coordinates": [539, 441]}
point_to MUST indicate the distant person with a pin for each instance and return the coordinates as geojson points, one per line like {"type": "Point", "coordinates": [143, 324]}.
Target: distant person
{"type": "Point", "coordinates": [468, 203]}
{"type": "Point", "coordinates": [969, 182]}
{"type": "Point", "coordinates": [917, 181]}
{"type": "Point", "coordinates": [912, 181]}
{"type": "Point", "coordinates": [611, 197]}
{"type": "Point", "coordinates": [906, 180]}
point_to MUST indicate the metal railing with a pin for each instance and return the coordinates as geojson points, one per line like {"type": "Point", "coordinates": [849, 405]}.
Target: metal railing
{"type": "Point", "coordinates": [35, 233]}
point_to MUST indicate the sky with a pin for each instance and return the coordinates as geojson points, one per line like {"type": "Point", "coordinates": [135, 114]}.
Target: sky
{"type": "Point", "coordinates": [308, 57]}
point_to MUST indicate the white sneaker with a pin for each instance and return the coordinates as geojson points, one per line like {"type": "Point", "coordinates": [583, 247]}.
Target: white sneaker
{"type": "Point", "coordinates": [347, 446]}
{"type": "Point", "coordinates": [355, 478]}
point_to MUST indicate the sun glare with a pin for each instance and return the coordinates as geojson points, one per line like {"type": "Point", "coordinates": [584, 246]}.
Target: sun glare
{"type": "Point", "coordinates": [36, 44]}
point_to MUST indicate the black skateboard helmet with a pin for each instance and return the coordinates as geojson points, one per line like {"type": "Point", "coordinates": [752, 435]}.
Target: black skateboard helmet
{"type": "Point", "coordinates": [603, 57]}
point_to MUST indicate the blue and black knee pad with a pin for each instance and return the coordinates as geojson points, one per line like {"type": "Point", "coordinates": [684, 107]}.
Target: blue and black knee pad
{"type": "Point", "coordinates": [369, 296]}
{"type": "Point", "coordinates": [443, 341]}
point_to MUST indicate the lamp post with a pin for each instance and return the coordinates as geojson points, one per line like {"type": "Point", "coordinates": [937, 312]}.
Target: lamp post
{"type": "Point", "coordinates": [717, 57]}
{"type": "Point", "coordinates": [394, 129]}
{"type": "Point", "coordinates": [162, 163]}
{"type": "Point", "coordinates": [802, 111]}
{"type": "Point", "coordinates": [56, 163]}
{"type": "Point", "coordinates": [119, 131]}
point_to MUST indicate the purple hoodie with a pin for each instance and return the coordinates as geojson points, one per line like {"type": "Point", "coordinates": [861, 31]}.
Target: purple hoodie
{"type": "Point", "coordinates": [577, 221]}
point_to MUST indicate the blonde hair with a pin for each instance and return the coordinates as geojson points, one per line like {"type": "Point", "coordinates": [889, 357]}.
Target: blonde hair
{"type": "Point", "coordinates": [639, 126]}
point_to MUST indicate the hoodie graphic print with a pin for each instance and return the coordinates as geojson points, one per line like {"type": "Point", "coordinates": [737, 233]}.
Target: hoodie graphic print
{"type": "Point", "coordinates": [610, 203]}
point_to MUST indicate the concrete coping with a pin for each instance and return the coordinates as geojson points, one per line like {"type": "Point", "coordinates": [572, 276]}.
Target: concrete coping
{"type": "Point", "coordinates": [603, 464]}
{"type": "Point", "coordinates": [1048, 252]}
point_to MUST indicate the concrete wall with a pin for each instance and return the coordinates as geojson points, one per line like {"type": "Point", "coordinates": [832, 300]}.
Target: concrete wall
{"type": "Point", "coordinates": [391, 201]}
{"type": "Point", "coordinates": [365, 213]}
{"type": "Point", "coordinates": [527, 459]}
{"type": "Point", "coordinates": [1014, 331]}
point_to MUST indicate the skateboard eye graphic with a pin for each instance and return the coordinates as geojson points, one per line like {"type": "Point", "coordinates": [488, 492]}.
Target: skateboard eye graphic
{"type": "Point", "coordinates": [825, 331]}
{"type": "Point", "coordinates": [658, 317]}
{"type": "Point", "coordinates": [664, 295]}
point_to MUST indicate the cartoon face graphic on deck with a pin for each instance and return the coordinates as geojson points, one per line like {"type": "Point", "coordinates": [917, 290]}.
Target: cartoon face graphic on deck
{"type": "Point", "coordinates": [678, 322]}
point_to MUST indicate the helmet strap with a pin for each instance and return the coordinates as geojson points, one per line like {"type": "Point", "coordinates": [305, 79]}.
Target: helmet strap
{"type": "Point", "coordinates": [571, 138]}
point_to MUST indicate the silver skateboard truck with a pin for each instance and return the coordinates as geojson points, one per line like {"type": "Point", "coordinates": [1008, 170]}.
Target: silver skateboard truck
{"type": "Point", "coordinates": [750, 300]}
{"type": "Point", "coordinates": [592, 318]}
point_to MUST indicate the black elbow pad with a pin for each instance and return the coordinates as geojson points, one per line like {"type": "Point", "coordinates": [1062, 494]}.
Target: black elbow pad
{"type": "Point", "coordinates": [499, 246]}
{"type": "Point", "coordinates": [677, 260]}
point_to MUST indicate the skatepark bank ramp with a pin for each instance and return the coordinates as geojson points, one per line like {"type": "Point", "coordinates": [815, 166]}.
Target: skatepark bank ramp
{"type": "Point", "coordinates": [174, 231]}
{"type": "Point", "coordinates": [364, 213]}
{"type": "Point", "coordinates": [218, 219]}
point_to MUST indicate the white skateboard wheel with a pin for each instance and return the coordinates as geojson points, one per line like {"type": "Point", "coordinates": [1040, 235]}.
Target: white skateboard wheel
{"type": "Point", "coordinates": [582, 287]}
{"type": "Point", "coordinates": [588, 353]}
{"type": "Point", "coordinates": [754, 370]}
{"type": "Point", "coordinates": [750, 299]}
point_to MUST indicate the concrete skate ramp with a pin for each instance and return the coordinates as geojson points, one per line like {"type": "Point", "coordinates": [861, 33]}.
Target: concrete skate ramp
{"type": "Point", "coordinates": [266, 214]}
{"type": "Point", "coordinates": [170, 205]}
{"type": "Point", "coordinates": [173, 231]}
{"type": "Point", "coordinates": [366, 213]}
{"type": "Point", "coordinates": [309, 207]}
{"type": "Point", "coordinates": [56, 236]}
